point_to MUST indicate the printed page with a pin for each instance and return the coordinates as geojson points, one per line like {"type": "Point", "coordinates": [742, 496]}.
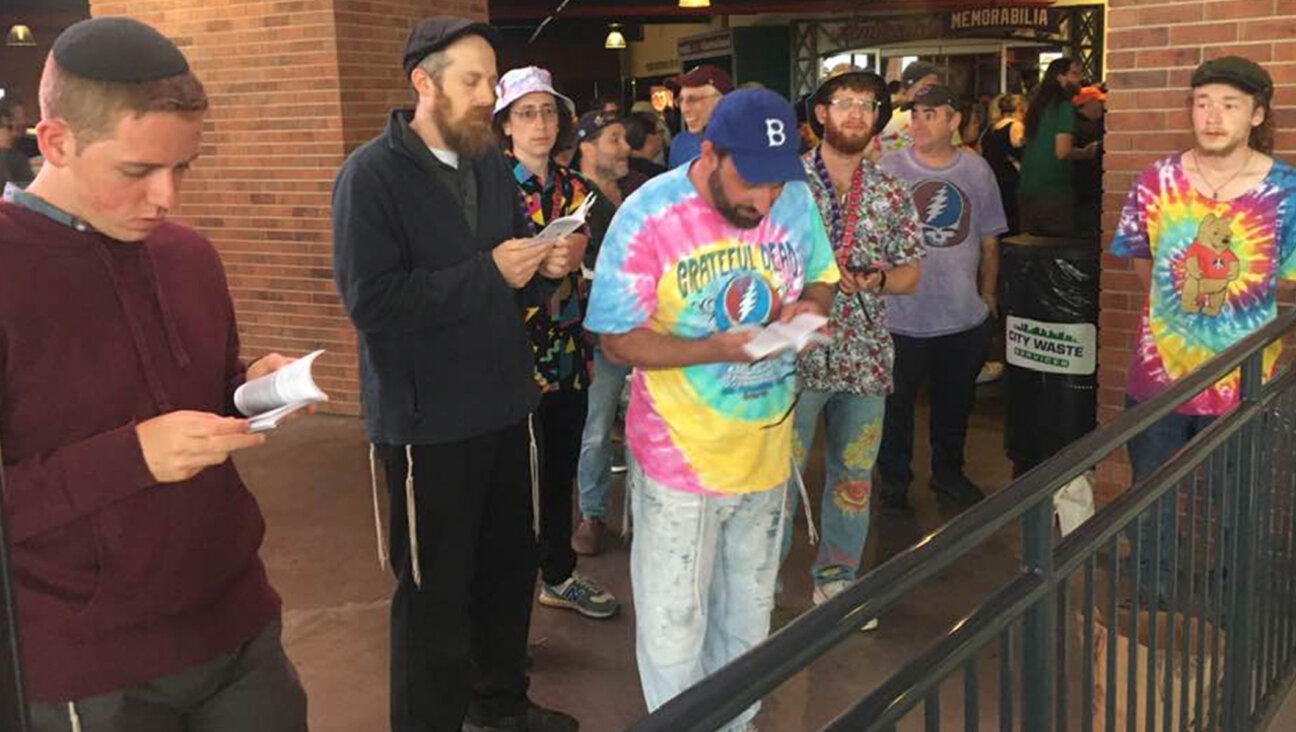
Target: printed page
{"type": "Point", "coordinates": [567, 225]}
{"type": "Point", "coordinates": [288, 386]}
{"type": "Point", "coordinates": [795, 334]}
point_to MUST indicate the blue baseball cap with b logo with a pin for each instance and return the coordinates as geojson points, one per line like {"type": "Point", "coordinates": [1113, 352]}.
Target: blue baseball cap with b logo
{"type": "Point", "coordinates": [758, 129]}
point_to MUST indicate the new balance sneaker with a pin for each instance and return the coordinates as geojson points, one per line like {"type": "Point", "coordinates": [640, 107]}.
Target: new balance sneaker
{"type": "Point", "coordinates": [828, 590]}
{"type": "Point", "coordinates": [582, 594]}
{"type": "Point", "coordinates": [535, 719]}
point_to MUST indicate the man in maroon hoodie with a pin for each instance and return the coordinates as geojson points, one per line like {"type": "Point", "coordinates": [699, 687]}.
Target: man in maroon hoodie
{"type": "Point", "coordinates": [142, 603]}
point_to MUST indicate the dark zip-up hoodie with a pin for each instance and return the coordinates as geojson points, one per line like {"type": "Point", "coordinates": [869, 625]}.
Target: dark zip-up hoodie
{"type": "Point", "coordinates": [444, 353]}
{"type": "Point", "coordinates": [120, 579]}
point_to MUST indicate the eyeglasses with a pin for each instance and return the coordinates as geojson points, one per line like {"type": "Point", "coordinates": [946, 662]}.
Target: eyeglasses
{"type": "Point", "coordinates": [691, 99]}
{"type": "Point", "coordinates": [531, 114]}
{"type": "Point", "coordinates": [846, 104]}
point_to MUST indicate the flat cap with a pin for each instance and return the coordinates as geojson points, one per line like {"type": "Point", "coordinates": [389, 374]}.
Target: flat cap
{"type": "Point", "coordinates": [1235, 71]}
{"type": "Point", "coordinates": [440, 31]}
{"type": "Point", "coordinates": [117, 49]}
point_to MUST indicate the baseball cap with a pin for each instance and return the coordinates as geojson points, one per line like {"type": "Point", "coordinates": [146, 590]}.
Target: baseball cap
{"type": "Point", "coordinates": [440, 31]}
{"type": "Point", "coordinates": [843, 76]}
{"type": "Point", "coordinates": [591, 123]}
{"type": "Point", "coordinates": [1236, 71]}
{"type": "Point", "coordinates": [1089, 94]}
{"type": "Point", "coordinates": [936, 95]}
{"type": "Point", "coordinates": [917, 71]}
{"type": "Point", "coordinates": [701, 76]}
{"type": "Point", "coordinates": [758, 129]}
{"type": "Point", "coordinates": [518, 83]}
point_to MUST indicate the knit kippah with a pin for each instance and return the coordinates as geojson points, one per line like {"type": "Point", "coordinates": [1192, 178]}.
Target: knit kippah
{"type": "Point", "coordinates": [118, 49]}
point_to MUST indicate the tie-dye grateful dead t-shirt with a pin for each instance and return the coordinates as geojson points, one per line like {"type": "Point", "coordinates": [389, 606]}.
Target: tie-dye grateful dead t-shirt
{"type": "Point", "coordinates": [672, 264]}
{"type": "Point", "coordinates": [1215, 272]}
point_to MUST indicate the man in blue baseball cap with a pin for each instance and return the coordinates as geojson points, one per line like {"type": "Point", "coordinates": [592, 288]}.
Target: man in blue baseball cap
{"type": "Point", "coordinates": [696, 262]}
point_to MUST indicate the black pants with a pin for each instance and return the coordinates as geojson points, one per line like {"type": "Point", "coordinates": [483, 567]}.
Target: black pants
{"type": "Point", "coordinates": [952, 363]}
{"type": "Point", "coordinates": [560, 421]}
{"type": "Point", "coordinates": [461, 638]}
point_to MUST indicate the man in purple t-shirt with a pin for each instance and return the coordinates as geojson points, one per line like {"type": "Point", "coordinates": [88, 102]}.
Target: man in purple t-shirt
{"type": "Point", "coordinates": [941, 331]}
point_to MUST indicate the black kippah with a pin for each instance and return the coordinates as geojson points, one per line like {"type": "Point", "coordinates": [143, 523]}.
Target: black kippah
{"type": "Point", "coordinates": [118, 49]}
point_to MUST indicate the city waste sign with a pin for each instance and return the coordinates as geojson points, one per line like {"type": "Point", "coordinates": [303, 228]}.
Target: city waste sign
{"type": "Point", "coordinates": [1055, 348]}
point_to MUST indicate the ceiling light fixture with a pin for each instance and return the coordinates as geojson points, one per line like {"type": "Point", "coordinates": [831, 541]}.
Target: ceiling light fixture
{"type": "Point", "coordinates": [20, 35]}
{"type": "Point", "coordinates": [695, 3]}
{"type": "Point", "coordinates": [615, 40]}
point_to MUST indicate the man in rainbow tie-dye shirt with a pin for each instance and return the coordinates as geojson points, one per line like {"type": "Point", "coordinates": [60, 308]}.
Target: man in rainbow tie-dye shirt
{"type": "Point", "coordinates": [1212, 232]}
{"type": "Point", "coordinates": [693, 262]}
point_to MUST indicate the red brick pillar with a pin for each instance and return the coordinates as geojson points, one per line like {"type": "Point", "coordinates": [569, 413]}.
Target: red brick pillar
{"type": "Point", "coordinates": [295, 86]}
{"type": "Point", "coordinates": [1152, 48]}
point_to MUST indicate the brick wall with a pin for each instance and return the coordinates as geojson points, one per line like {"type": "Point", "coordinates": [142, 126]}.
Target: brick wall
{"type": "Point", "coordinates": [295, 86]}
{"type": "Point", "coordinates": [1152, 48]}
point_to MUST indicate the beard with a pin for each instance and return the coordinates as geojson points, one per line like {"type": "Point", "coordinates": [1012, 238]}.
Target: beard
{"type": "Point", "coordinates": [744, 217]}
{"type": "Point", "coordinates": [846, 143]}
{"type": "Point", "coordinates": [470, 135]}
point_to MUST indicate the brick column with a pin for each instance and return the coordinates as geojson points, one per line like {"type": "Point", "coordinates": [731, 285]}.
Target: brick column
{"type": "Point", "coordinates": [1152, 48]}
{"type": "Point", "coordinates": [295, 86]}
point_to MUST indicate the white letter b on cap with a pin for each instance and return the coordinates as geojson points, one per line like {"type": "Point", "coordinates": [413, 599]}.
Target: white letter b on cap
{"type": "Point", "coordinates": [776, 131]}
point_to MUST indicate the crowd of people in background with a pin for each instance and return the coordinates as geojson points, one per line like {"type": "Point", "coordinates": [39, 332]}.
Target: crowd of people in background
{"type": "Point", "coordinates": [495, 359]}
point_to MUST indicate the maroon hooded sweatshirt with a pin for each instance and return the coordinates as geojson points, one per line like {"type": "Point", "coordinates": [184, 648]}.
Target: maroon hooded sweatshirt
{"type": "Point", "coordinates": [120, 579]}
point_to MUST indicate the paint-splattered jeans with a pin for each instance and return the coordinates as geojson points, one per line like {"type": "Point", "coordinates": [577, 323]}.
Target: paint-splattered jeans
{"type": "Point", "coordinates": [854, 426]}
{"type": "Point", "coordinates": [703, 569]}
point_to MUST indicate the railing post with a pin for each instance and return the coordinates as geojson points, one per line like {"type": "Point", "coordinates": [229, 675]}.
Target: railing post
{"type": "Point", "coordinates": [1037, 626]}
{"type": "Point", "coordinates": [1240, 562]}
{"type": "Point", "coordinates": [13, 703]}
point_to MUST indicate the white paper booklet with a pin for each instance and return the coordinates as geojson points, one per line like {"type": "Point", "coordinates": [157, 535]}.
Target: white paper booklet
{"type": "Point", "coordinates": [267, 400]}
{"type": "Point", "coordinates": [795, 334]}
{"type": "Point", "coordinates": [569, 224]}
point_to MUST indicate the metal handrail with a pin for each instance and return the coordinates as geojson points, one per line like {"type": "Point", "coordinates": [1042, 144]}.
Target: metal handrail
{"type": "Point", "coordinates": [720, 697]}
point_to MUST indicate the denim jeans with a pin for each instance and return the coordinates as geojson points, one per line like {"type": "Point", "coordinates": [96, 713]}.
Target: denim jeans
{"type": "Point", "coordinates": [853, 425]}
{"type": "Point", "coordinates": [703, 569]}
{"type": "Point", "coordinates": [592, 476]}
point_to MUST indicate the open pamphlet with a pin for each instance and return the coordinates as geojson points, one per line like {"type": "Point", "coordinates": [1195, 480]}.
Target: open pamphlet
{"type": "Point", "coordinates": [569, 224]}
{"type": "Point", "coordinates": [267, 400]}
{"type": "Point", "coordinates": [796, 334]}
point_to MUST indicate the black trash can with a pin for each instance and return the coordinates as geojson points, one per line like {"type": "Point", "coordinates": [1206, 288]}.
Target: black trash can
{"type": "Point", "coordinates": [1049, 302]}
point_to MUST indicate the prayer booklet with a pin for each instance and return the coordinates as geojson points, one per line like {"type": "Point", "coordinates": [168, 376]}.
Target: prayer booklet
{"type": "Point", "coordinates": [267, 400]}
{"type": "Point", "coordinates": [569, 224]}
{"type": "Point", "coordinates": [795, 334]}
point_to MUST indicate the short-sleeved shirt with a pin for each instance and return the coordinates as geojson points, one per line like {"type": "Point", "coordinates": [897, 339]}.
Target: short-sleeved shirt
{"type": "Point", "coordinates": [672, 264]}
{"type": "Point", "coordinates": [958, 206]}
{"type": "Point", "coordinates": [886, 234]}
{"type": "Point", "coordinates": [1242, 248]}
{"type": "Point", "coordinates": [562, 352]}
{"type": "Point", "coordinates": [684, 147]}
{"type": "Point", "coordinates": [1041, 171]}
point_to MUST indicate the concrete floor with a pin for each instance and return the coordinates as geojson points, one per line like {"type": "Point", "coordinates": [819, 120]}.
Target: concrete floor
{"type": "Point", "coordinates": [312, 480]}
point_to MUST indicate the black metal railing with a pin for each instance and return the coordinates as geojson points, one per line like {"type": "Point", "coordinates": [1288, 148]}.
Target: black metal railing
{"type": "Point", "coordinates": [1172, 608]}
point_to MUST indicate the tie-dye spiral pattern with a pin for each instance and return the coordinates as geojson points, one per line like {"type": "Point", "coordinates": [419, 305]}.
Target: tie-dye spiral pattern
{"type": "Point", "coordinates": [1215, 272]}
{"type": "Point", "coordinates": [672, 264]}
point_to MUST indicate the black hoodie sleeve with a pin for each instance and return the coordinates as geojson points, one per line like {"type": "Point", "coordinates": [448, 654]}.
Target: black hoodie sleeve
{"type": "Point", "coordinates": [380, 290]}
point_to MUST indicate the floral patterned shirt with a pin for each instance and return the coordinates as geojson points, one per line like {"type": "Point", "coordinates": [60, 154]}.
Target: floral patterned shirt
{"type": "Point", "coordinates": [887, 233]}
{"type": "Point", "coordinates": [562, 350]}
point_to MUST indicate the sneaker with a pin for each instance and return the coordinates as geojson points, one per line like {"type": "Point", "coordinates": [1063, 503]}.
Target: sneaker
{"type": "Point", "coordinates": [589, 538]}
{"type": "Point", "coordinates": [828, 590]}
{"type": "Point", "coordinates": [991, 372]}
{"type": "Point", "coordinates": [957, 489]}
{"type": "Point", "coordinates": [582, 594]}
{"type": "Point", "coordinates": [535, 719]}
{"type": "Point", "coordinates": [618, 463]}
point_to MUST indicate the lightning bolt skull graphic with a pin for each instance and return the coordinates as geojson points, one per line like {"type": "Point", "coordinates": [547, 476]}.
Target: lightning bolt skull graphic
{"type": "Point", "coordinates": [938, 204]}
{"type": "Point", "coordinates": [749, 300]}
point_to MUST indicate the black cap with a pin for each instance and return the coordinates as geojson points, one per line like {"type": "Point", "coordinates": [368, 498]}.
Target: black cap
{"type": "Point", "coordinates": [835, 81]}
{"type": "Point", "coordinates": [592, 123]}
{"type": "Point", "coordinates": [936, 95]}
{"type": "Point", "coordinates": [1236, 71]}
{"type": "Point", "coordinates": [440, 31]}
{"type": "Point", "coordinates": [916, 72]}
{"type": "Point", "coordinates": [118, 50]}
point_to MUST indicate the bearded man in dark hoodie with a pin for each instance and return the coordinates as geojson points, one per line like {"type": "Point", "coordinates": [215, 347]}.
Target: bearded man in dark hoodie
{"type": "Point", "coordinates": [143, 605]}
{"type": "Point", "coordinates": [435, 272]}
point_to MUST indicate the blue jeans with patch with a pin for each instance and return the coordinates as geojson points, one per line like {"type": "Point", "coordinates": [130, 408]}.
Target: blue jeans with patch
{"type": "Point", "coordinates": [703, 570]}
{"type": "Point", "coordinates": [592, 472]}
{"type": "Point", "coordinates": [853, 425]}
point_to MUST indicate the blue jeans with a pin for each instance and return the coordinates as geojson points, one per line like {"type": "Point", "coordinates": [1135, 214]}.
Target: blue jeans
{"type": "Point", "coordinates": [854, 431]}
{"type": "Point", "coordinates": [595, 451]}
{"type": "Point", "coordinates": [703, 570]}
{"type": "Point", "coordinates": [1148, 451]}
